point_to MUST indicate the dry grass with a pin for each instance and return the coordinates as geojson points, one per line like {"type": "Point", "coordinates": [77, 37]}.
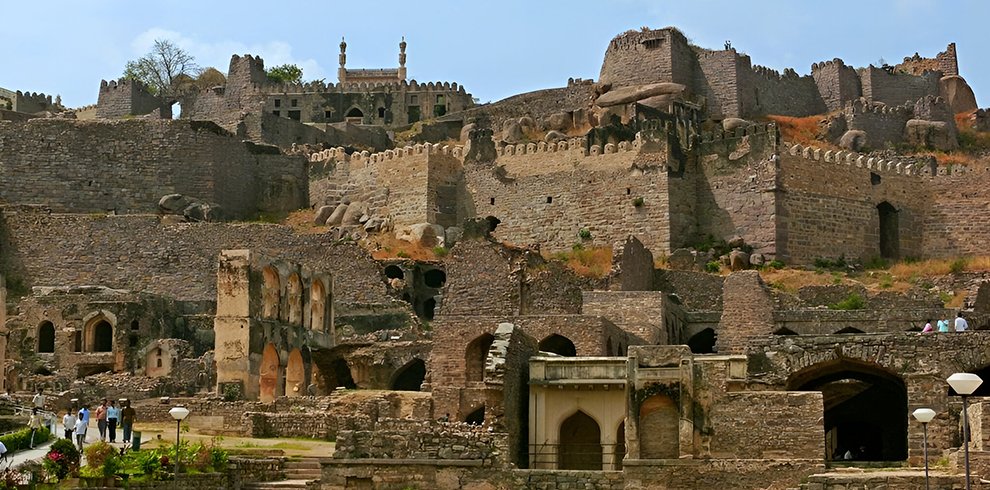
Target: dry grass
{"type": "Point", "coordinates": [386, 246]}
{"type": "Point", "coordinates": [301, 222]}
{"type": "Point", "coordinates": [800, 130]}
{"type": "Point", "coordinates": [790, 280]}
{"type": "Point", "coordinates": [940, 267]}
{"type": "Point", "coordinates": [587, 262]}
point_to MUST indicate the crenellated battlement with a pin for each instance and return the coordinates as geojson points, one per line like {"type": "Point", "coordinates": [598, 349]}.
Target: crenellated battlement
{"type": "Point", "coordinates": [863, 106]}
{"type": "Point", "coordinates": [633, 39]}
{"type": "Point", "coordinates": [853, 159]}
{"type": "Point", "coordinates": [321, 86]}
{"type": "Point", "coordinates": [340, 155]}
{"type": "Point", "coordinates": [122, 84]}
{"type": "Point", "coordinates": [718, 136]}
{"type": "Point", "coordinates": [771, 74]}
{"type": "Point", "coordinates": [833, 63]}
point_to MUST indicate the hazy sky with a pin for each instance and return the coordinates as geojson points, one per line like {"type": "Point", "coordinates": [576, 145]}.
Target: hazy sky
{"type": "Point", "coordinates": [495, 49]}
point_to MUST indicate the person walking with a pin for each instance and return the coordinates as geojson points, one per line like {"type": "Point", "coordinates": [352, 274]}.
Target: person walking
{"type": "Point", "coordinates": [68, 424]}
{"type": "Point", "coordinates": [961, 323]}
{"type": "Point", "coordinates": [81, 428]}
{"type": "Point", "coordinates": [113, 415]}
{"type": "Point", "coordinates": [127, 417]}
{"type": "Point", "coordinates": [34, 424]}
{"type": "Point", "coordinates": [39, 400]}
{"type": "Point", "coordinates": [101, 419]}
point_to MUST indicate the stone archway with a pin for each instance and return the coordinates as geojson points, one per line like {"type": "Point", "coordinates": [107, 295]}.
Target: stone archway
{"type": "Point", "coordinates": [703, 342]}
{"type": "Point", "coordinates": [866, 409]}
{"type": "Point", "coordinates": [475, 357]}
{"type": "Point", "coordinates": [558, 344]}
{"type": "Point", "coordinates": [580, 443]}
{"type": "Point", "coordinates": [46, 337]}
{"type": "Point", "coordinates": [269, 374]}
{"type": "Point", "coordinates": [271, 293]}
{"type": "Point", "coordinates": [409, 377]}
{"type": "Point", "coordinates": [658, 428]}
{"type": "Point", "coordinates": [98, 335]}
{"type": "Point", "coordinates": [476, 417]}
{"type": "Point", "coordinates": [294, 293]}
{"type": "Point", "coordinates": [318, 306]}
{"type": "Point", "coordinates": [295, 374]}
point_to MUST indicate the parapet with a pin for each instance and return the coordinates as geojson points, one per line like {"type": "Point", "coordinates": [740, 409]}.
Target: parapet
{"type": "Point", "coordinates": [771, 74]}
{"type": "Point", "coordinates": [717, 136]}
{"type": "Point", "coordinates": [338, 154]}
{"type": "Point", "coordinates": [834, 62]}
{"type": "Point", "coordinates": [121, 85]}
{"type": "Point", "coordinates": [853, 159]}
{"type": "Point", "coordinates": [863, 106]}
{"type": "Point", "coordinates": [631, 39]}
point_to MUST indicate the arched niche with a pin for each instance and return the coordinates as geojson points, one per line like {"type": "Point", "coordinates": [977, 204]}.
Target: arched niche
{"type": "Point", "coordinates": [271, 293]}
{"type": "Point", "coordinates": [558, 344]}
{"type": "Point", "coordinates": [269, 374]}
{"type": "Point", "coordinates": [294, 293]}
{"type": "Point", "coordinates": [475, 356]}
{"type": "Point", "coordinates": [46, 337]}
{"type": "Point", "coordinates": [409, 377]}
{"type": "Point", "coordinates": [580, 443]}
{"type": "Point", "coordinates": [318, 306]}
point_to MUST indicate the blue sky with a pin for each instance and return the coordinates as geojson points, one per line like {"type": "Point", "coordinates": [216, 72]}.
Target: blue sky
{"type": "Point", "coordinates": [494, 49]}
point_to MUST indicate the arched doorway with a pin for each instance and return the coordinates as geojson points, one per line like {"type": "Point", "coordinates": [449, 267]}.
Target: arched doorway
{"type": "Point", "coordinates": [434, 278]}
{"type": "Point", "coordinates": [703, 342]}
{"type": "Point", "coordinates": [658, 428]}
{"type": "Point", "coordinates": [295, 299]}
{"type": "Point", "coordinates": [354, 116]}
{"type": "Point", "coordinates": [620, 447]}
{"type": "Point", "coordinates": [889, 231]}
{"type": "Point", "coordinates": [580, 443]}
{"type": "Point", "coordinates": [46, 337]}
{"type": "Point", "coordinates": [295, 374]}
{"type": "Point", "coordinates": [558, 344]}
{"type": "Point", "coordinates": [410, 377]}
{"type": "Point", "coordinates": [476, 417]}
{"type": "Point", "coordinates": [270, 294]}
{"type": "Point", "coordinates": [865, 408]}
{"type": "Point", "coordinates": [342, 375]}
{"type": "Point", "coordinates": [269, 374]}
{"type": "Point", "coordinates": [475, 357]}
{"type": "Point", "coordinates": [99, 336]}
{"type": "Point", "coordinates": [317, 305]}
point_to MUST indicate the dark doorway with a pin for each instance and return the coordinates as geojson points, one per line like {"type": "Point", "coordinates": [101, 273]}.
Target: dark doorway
{"type": "Point", "coordinates": [342, 375]}
{"type": "Point", "coordinates": [620, 446]}
{"type": "Point", "coordinates": [46, 337]}
{"type": "Point", "coordinates": [434, 278]}
{"type": "Point", "coordinates": [476, 417]}
{"type": "Point", "coordinates": [475, 356]}
{"type": "Point", "coordinates": [102, 337]}
{"type": "Point", "coordinates": [558, 344]}
{"type": "Point", "coordinates": [410, 377]}
{"type": "Point", "coordinates": [429, 308]}
{"type": "Point", "coordinates": [865, 408]}
{"type": "Point", "coordinates": [413, 114]}
{"type": "Point", "coordinates": [889, 231]}
{"type": "Point", "coordinates": [580, 443]}
{"type": "Point", "coordinates": [703, 342]}
{"type": "Point", "coordinates": [394, 272]}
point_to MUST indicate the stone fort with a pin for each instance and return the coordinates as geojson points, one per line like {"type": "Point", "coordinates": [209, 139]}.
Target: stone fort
{"type": "Point", "coordinates": [139, 261]}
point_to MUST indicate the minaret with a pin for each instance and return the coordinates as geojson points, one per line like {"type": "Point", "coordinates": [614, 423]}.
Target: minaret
{"type": "Point", "coordinates": [402, 59]}
{"type": "Point", "coordinates": [341, 72]}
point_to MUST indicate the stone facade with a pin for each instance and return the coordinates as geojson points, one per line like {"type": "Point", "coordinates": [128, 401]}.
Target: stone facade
{"type": "Point", "coordinates": [125, 98]}
{"type": "Point", "coordinates": [127, 166]}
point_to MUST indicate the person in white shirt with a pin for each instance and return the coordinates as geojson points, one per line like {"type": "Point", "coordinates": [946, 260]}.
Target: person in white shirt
{"type": "Point", "coordinates": [961, 323]}
{"type": "Point", "coordinates": [39, 400]}
{"type": "Point", "coordinates": [3, 452]}
{"type": "Point", "coordinates": [69, 424]}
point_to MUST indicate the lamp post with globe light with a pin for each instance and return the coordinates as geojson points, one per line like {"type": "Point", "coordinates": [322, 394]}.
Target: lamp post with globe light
{"type": "Point", "coordinates": [925, 415]}
{"type": "Point", "coordinates": [964, 385]}
{"type": "Point", "coordinates": [178, 413]}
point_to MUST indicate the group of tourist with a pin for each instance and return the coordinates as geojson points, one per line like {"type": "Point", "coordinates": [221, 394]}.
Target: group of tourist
{"type": "Point", "coordinates": [75, 423]}
{"type": "Point", "coordinates": [961, 325]}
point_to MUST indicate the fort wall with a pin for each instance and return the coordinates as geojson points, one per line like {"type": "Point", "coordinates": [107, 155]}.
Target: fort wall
{"type": "Point", "coordinates": [640, 57]}
{"type": "Point", "coordinates": [836, 82]}
{"type": "Point", "coordinates": [26, 102]}
{"type": "Point", "coordinates": [141, 253]}
{"type": "Point", "coordinates": [718, 80]}
{"type": "Point", "coordinates": [829, 205]}
{"type": "Point", "coordinates": [123, 98]}
{"type": "Point", "coordinates": [127, 166]}
{"type": "Point", "coordinates": [897, 88]}
{"type": "Point", "coordinates": [954, 223]}
{"type": "Point", "coordinates": [882, 123]}
{"type": "Point", "coordinates": [785, 94]}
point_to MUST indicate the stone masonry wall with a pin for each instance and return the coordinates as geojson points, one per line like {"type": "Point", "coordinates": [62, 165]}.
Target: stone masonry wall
{"type": "Point", "coordinates": [640, 313]}
{"type": "Point", "coordinates": [127, 166]}
{"type": "Point", "coordinates": [739, 474]}
{"type": "Point", "coordinates": [122, 98]}
{"type": "Point", "coordinates": [829, 208]}
{"type": "Point", "coordinates": [771, 425]}
{"type": "Point", "coordinates": [548, 197]}
{"type": "Point", "coordinates": [176, 260]}
{"type": "Point", "coordinates": [718, 81]}
{"type": "Point", "coordinates": [787, 94]}
{"type": "Point", "coordinates": [483, 278]}
{"type": "Point", "coordinates": [748, 312]}
{"type": "Point", "coordinates": [410, 439]}
{"type": "Point", "coordinates": [736, 187]}
{"type": "Point", "coordinates": [897, 88]}
{"type": "Point", "coordinates": [837, 83]}
{"type": "Point", "coordinates": [953, 223]}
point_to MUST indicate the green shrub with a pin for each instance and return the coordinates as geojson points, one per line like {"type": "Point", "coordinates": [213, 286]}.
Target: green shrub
{"type": "Point", "coordinates": [713, 267]}
{"type": "Point", "coordinates": [402, 254]}
{"type": "Point", "coordinates": [851, 302]}
{"type": "Point", "coordinates": [102, 460]}
{"type": "Point", "coordinates": [827, 263]}
{"type": "Point", "coordinates": [440, 252]}
{"type": "Point", "coordinates": [585, 234]}
{"type": "Point", "coordinates": [22, 439]}
{"type": "Point", "coordinates": [957, 266]}
{"type": "Point", "coordinates": [877, 263]}
{"type": "Point", "coordinates": [61, 460]}
{"type": "Point", "coordinates": [638, 202]}
{"type": "Point", "coordinates": [776, 264]}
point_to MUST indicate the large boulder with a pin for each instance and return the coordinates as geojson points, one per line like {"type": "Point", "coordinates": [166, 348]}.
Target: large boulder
{"type": "Point", "coordinates": [957, 93]}
{"type": "Point", "coordinates": [423, 234]}
{"type": "Point", "coordinates": [560, 121]}
{"type": "Point", "coordinates": [938, 135]}
{"type": "Point", "coordinates": [681, 259]}
{"type": "Point", "coordinates": [853, 140]}
{"type": "Point", "coordinates": [322, 214]}
{"type": "Point", "coordinates": [337, 216]}
{"type": "Point", "coordinates": [660, 102]}
{"type": "Point", "coordinates": [512, 133]}
{"type": "Point", "coordinates": [202, 211]}
{"type": "Point", "coordinates": [626, 95]}
{"type": "Point", "coordinates": [738, 260]}
{"type": "Point", "coordinates": [353, 214]}
{"type": "Point", "coordinates": [731, 124]}
{"type": "Point", "coordinates": [174, 203]}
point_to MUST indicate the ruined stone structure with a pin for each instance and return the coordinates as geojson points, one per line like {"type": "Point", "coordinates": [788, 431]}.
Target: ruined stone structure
{"type": "Point", "coordinates": [27, 102]}
{"type": "Point", "coordinates": [492, 363]}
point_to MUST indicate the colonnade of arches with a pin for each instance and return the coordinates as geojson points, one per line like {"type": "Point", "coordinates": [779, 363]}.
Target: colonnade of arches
{"type": "Point", "coordinates": [97, 335]}
{"type": "Point", "coordinates": [295, 300]}
{"type": "Point", "coordinates": [291, 378]}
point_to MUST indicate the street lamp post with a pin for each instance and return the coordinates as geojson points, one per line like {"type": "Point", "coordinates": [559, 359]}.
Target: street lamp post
{"type": "Point", "coordinates": [965, 384]}
{"type": "Point", "coordinates": [925, 415]}
{"type": "Point", "coordinates": [178, 413]}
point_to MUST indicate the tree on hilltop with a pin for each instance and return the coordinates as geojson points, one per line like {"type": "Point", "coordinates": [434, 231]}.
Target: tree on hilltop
{"type": "Point", "coordinates": [209, 78]}
{"type": "Point", "coordinates": [161, 69]}
{"type": "Point", "coordinates": [287, 73]}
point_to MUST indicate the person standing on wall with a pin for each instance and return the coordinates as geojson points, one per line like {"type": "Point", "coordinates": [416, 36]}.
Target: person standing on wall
{"type": "Point", "coordinates": [39, 400]}
{"type": "Point", "coordinates": [34, 424]}
{"type": "Point", "coordinates": [101, 419]}
{"type": "Point", "coordinates": [961, 323]}
{"type": "Point", "coordinates": [127, 417]}
{"type": "Point", "coordinates": [113, 415]}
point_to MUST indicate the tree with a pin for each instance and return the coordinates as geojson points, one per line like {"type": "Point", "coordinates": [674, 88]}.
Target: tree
{"type": "Point", "coordinates": [162, 67]}
{"type": "Point", "coordinates": [209, 78]}
{"type": "Point", "coordinates": [285, 74]}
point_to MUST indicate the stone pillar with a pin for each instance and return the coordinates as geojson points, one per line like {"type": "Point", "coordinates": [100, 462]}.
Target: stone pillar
{"type": "Point", "coordinates": [232, 323]}
{"type": "Point", "coordinates": [747, 312]}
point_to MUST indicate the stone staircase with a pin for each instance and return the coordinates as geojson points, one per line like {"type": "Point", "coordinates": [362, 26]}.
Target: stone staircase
{"type": "Point", "coordinates": [298, 472]}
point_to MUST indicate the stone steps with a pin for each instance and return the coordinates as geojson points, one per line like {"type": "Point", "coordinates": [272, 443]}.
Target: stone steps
{"type": "Point", "coordinates": [276, 485]}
